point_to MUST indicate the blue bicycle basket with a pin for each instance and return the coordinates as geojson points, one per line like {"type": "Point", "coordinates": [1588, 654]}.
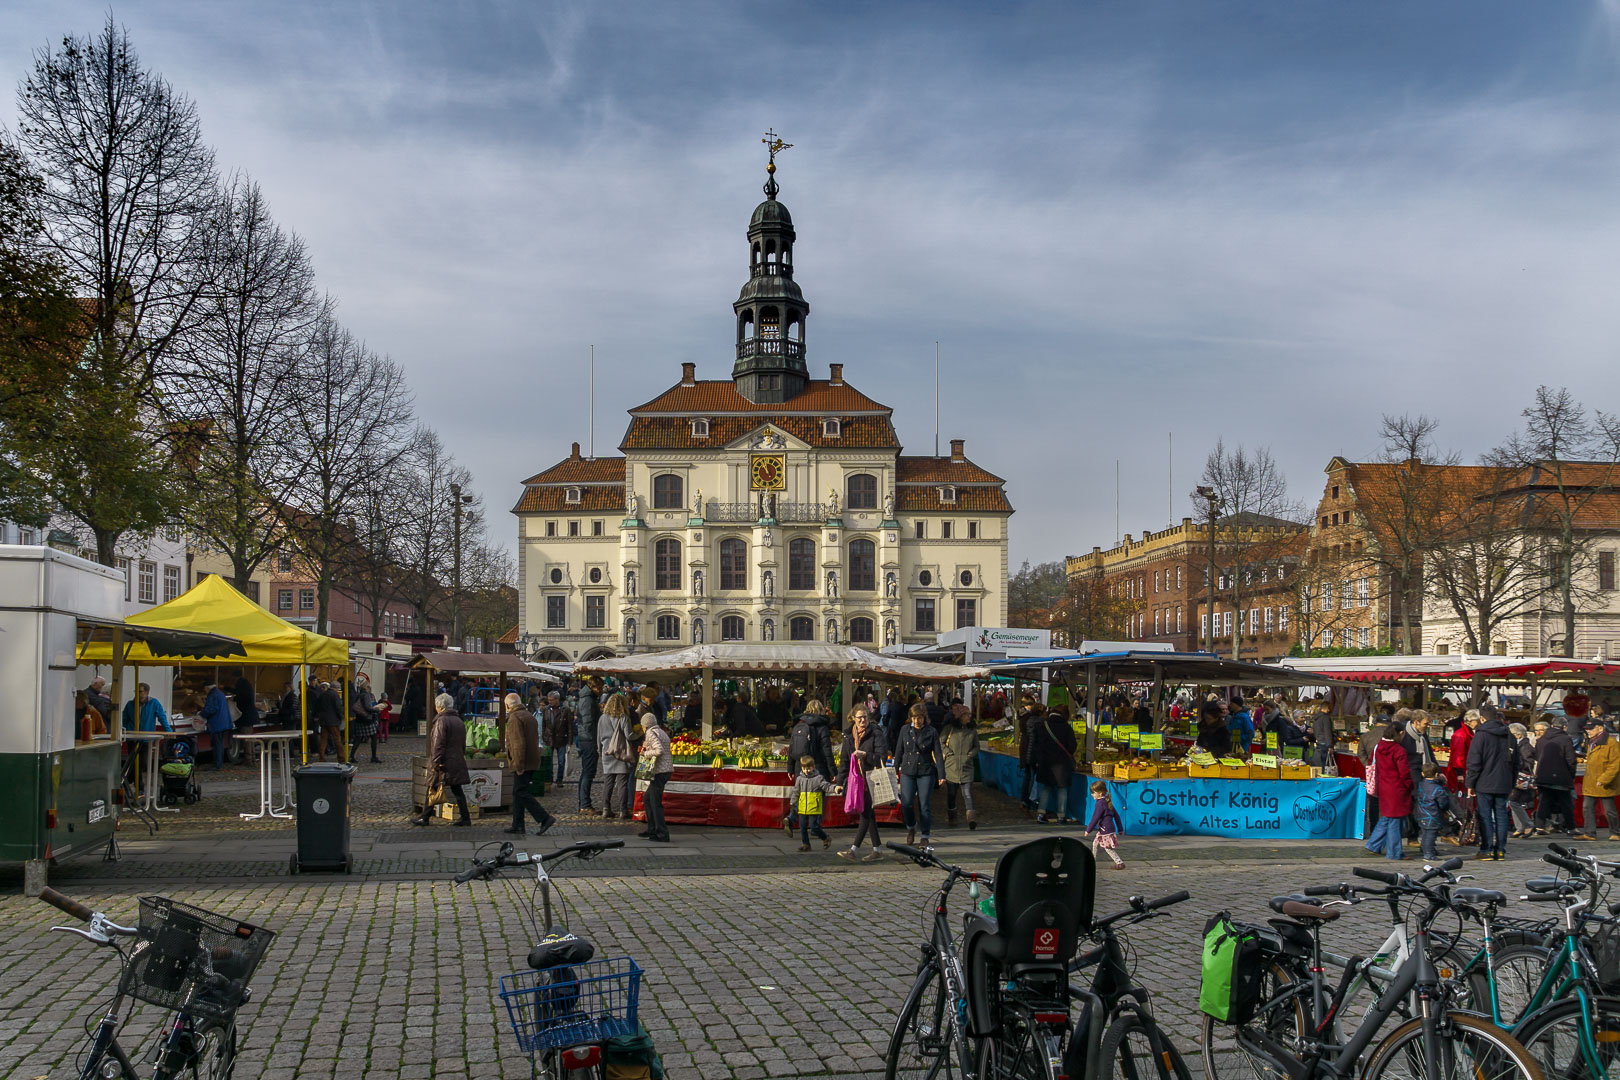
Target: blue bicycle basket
{"type": "Point", "coordinates": [572, 1004]}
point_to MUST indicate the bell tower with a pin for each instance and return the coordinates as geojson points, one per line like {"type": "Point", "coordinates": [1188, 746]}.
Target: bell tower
{"type": "Point", "coordinates": [770, 309]}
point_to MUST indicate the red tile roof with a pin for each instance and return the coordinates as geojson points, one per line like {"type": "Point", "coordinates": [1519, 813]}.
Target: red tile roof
{"type": "Point", "coordinates": [942, 470]}
{"type": "Point", "coordinates": [987, 499]}
{"type": "Point", "coordinates": [578, 470]}
{"type": "Point", "coordinates": [918, 480]}
{"type": "Point", "coordinates": [670, 432]}
{"type": "Point", "coordinates": [711, 397]}
{"type": "Point", "coordinates": [555, 499]}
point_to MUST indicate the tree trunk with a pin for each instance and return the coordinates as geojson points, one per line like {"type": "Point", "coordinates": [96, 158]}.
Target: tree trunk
{"type": "Point", "coordinates": [106, 547]}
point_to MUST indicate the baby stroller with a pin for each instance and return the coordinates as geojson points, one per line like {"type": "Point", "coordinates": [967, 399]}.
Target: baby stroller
{"type": "Point", "coordinates": [178, 771]}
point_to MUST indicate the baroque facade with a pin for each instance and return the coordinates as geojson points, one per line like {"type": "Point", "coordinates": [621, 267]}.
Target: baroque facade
{"type": "Point", "coordinates": [767, 506]}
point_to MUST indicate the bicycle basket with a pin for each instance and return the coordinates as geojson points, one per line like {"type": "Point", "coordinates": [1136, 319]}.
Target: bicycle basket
{"type": "Point", "coordinates": [572, 1004]}
{"type": "Point", "coordinates": [1603, 942]}
{"type": "Point", "coordinates": [193, 959]}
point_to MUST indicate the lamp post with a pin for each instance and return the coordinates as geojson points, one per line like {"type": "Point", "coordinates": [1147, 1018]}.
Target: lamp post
{"type": "Point", "coordinates": [457, 501]}
{"type": "Point", "coordinates": [1208, 493]}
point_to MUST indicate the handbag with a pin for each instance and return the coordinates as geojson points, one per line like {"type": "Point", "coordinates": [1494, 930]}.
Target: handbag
{"type": "Point", "coordinates": [618, 747]}
{"type": "Point", "coordinates": [644, 769]}
{"type": "Point", "coordinates": [855, 790]}
{"type": "Point", "coordinates": [435, 791]}
{"type": "Point", "coordinates": [885, 787]}
{"type": "Point", "coordinates": [1372, 773]}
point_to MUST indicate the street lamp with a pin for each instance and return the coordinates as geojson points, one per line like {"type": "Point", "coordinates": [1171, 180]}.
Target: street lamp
{"type": "Point", "coordinates": [1208, 493]}
{"type": "Point", "coordinates": [457, 501]}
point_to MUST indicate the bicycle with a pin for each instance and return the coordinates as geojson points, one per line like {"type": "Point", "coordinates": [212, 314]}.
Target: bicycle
{"type": "Point", "coordinates": [567, 1006]}
{"type": "Point", "coordinates": [1293, 1031]}
{"type": "Point", "coordinates": [997, 1008]}
{"type": "Point", "coordinates": [183, 958]}
{"type": "Point", "coordinates": [1124, 1005]}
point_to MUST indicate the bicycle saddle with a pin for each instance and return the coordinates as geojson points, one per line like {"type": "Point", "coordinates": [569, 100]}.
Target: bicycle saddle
{"type": "Point", "coordinates": [1478, 896]}
{"type": "Point", "coordinates": [1546, 884]}
{"type": "Point", "coordinates": [1296, 907]}
{"type": "Point", "coordinates": [560, 948]}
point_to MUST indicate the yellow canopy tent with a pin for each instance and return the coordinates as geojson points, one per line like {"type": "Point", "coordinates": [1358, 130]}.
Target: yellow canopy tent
{"type": "Point", "coordinates": [214, 606]}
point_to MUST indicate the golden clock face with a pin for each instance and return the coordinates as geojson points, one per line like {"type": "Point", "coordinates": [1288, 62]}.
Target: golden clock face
{"type": "Point", "coordinates": [767, 472]}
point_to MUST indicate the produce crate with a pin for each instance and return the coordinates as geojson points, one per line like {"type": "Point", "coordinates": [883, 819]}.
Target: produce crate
{"type": "Point", "coordinates": [1204, 772]}
{"type": "Point", "coordinates": [1233, 772]}
{"type": "Point", "coordinates": [1258, 772]}
{"type": "Point", "coordinates": [1136, 770]}
{"type": "Point", "coordinates": [1173, 772]}
{"type": "Point", "coordinates": [1292, 770]}
{"type": "Point", "coordinates": [449, 811]}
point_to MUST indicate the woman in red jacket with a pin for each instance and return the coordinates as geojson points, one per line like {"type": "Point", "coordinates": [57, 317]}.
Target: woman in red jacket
{"type": "Point", "coordinates": [1392, 774]}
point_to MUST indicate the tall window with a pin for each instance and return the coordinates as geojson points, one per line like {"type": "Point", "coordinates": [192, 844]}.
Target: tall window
{"type": "Point", "coordinates": [862, 491]}
{"type": "Point", "coordinates": [284, 599]}
{"type": "Point", "coordinates": [1158, 621]}
{"type": "Point", "coordinates": [1179, 627]}
{"type": "Point", "coordinates": [1282, 619]}
{"type": "Point", "coordinates": [171, 583]}
{"type": "Point", "coordinates": [147, 581]}
{"type": "Point", "coordinates": [801, 628]}
{"type": "Point", "coordinates": [1363, 592]}
{"type": "Point", "coordinates": [973, 530]}
{"type": "Point", "coordinates": [731, 628]}
{"type": "Point", "coordinates": [922, 530]}
{"type": "Point", "coordinates": [669, 492]}
{"type": "Point", "coordinates": [862, 566]}
{"type": "Point", "coordinates": [860, 631]}
{"type": "Point", "coordinates": [733, 564]}
{"type": "Point", "coordinates": [253, 591]}
{"type": "Point", "coordinates": [125, 569]}
{"type": "Point", "coordinates": [1606, 571]}
{"type": "Point", "coordinates": [306, 599]}
{"type": "Point", "coordinates": [283, 562]}
{"type": "Point", "coordinates": [1271, 619]}
{"type": "Point", "coordinates": [801, 564]}
{"type": "Point", "coordinates": [967, 613]}
{"type": "Point", "coordinates": [1155, 581]}
{"type": "Point", "coordinates": [669, 628]}
{"type": "Point", "coordinates": [945, 530]}
{"type": "Point", "coordinates": [925, 615]}
{"type": "Point", "coordinates": [667, 564]}
{"type": "Point", "coordinates": [556, 612]}
{"type": "Point", "coordinates": [595, 612]}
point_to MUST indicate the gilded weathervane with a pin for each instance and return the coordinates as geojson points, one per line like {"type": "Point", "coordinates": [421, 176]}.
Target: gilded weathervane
{"type": "Point", "coordinates": [773, 142]}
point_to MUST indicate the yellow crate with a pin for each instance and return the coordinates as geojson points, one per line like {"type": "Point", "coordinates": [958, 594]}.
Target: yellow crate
{"type": "Point", "coordinates": [1173, 772]}
{"type": "Point", "coordinates": [1296, 772]}
{"type": "Point", "coordinates": [1257, 772]}
{"type": "Point", "coordinates": [1233, 772]}
{"type": "Point", "coordinates": [1137, 770]}
{"type": "Point", "coordinates": [1204, 772]}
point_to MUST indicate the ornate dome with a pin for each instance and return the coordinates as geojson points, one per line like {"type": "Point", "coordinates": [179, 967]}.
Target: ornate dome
{"type": "Point", "coordinates": [771, 212]}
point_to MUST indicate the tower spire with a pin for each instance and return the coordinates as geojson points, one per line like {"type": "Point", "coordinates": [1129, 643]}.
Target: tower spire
{"type": "Point", "coordinates": [774, 144]}
{"type": "Point", "coordinates": [770, 309]}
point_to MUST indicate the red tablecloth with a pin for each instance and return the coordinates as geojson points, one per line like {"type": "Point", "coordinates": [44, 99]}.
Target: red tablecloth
{"type": "Point", "coordinates": [745, 798]}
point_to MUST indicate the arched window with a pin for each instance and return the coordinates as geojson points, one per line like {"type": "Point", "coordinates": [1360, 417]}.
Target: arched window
{"type": "Point", "coordinates": [801, 564]}
{"type": "Point", "coordinates": [801, 628]}
{"type": "Point", "coordinates": [862, 492]}
{"type": "Point", "coordinates": [733, 564]}
{"type": "Point", "coordinates": [667, 564]}
{"type": "Point", "coordinates": [669, 628]}
{"type": "Point", "coordinates": [862, 566]}
{"type": "Point", "coordinates": [860, 631]}
{"type": "Point", "coordinates": [669, 492]}
{"type": "Point", "coordinates": [731, 628]}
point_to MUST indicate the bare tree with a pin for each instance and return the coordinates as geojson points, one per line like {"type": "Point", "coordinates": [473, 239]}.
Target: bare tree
{"type": "Point", "coordinates": [426, 525]}
{"type": "Point", "coordinates": [1483, 563]}
{"type": "Point", "coordinates": [1254, 516]}
{"type": "Point", "coordinates": [127, 179]}
{"type": "Point", "coordinates": [1567, 460]}
{"type": "Point", "coordinates": [1402, 515]}
{"type": "Point", "coordinates": [373, 566]}
{"type": "Point", "coordinates": [350, 423]}
{"type": "Point", "coordinates": [1319, 589]}
{"type": "Point", "coordinates": [1090, 610]}
{"type": "Point", "coordinates": [242, 373]}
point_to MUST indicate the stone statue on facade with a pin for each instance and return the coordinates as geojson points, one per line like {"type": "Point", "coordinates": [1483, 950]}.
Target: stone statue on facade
{"type": "Point", "coordinates": [832, 631]}
{"type": "Point", "coordinates": [891, 586]}
{"type": "Point", "coordinates": [832, 502]}
{"type": "Point", "coordinates": [629, 583]}
{"type": "Point", "coordinates": [697, 583]}
{"type": "Point", "coordinates": [629, 631]}
{"type": "Point", "coordinates": [632, 502]}
{"type": "Point", "coordinates": [888, 507]}
{"type": "Point", "coordinates": [888, 631]}
{"type": "Point", "coordinates": [832, 584]}
{"type": "Point", "coordinates": [697, 504]}
{"type": "Point", "coordinates": [768, 583]}
{"type": "Point", "coordinates": [697, 631]}
{"type": "Point", "coordinates": [769, 630]}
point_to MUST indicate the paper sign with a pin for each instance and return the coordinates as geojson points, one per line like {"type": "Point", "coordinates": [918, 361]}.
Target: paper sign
{"type": "Point", "coordinates": [1079, 727]}
{"type": "Point", "coordinates": [1295, 752]}
{"type": "Point", "coordinates": [1122, 732]}
{"type": "Point", "coordinates": [1264, 761]}
{"type": "Point", "coordinates": [1105, 731]}
{"type": "Point", "coordinates": [1152, 740]}
{"type": "Point", "coordinates": [1203, 757]}
{"type": "Point", "coordinates": [1233, 763]}
{"type": "Point", "coordinates": [1271, 740]}
{"type": "Point", "coordinates": [1135, 740]}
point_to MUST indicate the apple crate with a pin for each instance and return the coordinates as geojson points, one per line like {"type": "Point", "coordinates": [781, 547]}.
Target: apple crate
{"type": "Point", "coordinates": [1233, 772]}
{"type": "Point", "coordinates": [1295, 771]}
{"type": "Point", "coordinates": [1204, 772]}
{"type": "Point", "coordinates": [1136, 770]}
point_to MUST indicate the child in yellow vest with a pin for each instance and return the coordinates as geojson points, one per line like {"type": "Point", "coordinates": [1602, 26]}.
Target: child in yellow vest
{"type": "Point", "coordinates": [810, 791]}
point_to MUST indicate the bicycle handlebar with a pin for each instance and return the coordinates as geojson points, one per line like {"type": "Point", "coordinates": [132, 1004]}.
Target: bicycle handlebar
{"type": "Point", "coordinates": [1166, 901]}
{"type": "Point", "coordinates": [1378, 875]}
{"type": "Point", "coordinates": [916, 854]}
{"type": "Point", "coordinates": [1326, 890]}
{"type": "Point", "coordinates": [487, 868]}
{"type": "Point", "coordinates": [1564, 863]}
{"type": "Point", "coordinates": [66, 905]}
{"type": "Point", "coordinates": [925, 857]}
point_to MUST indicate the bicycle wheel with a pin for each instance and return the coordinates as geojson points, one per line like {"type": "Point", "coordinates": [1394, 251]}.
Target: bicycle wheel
{"type": "Point", "coordinates": [216, 1052]}
{"type": "Point", "coordinates": [1235, 1052]}
{"type": "Point", "coordinates": [1519, 969]}
{"type": "Point", "coordinates": [920, 1047]}
{"type": "Point", "coordinates": [1023, 1050]}
{"type": "Point", "coordinates": [1553, 1037]}
{"type": "Point", "coordinates": [1134, 1048]}
{"type": "Point", "coordinates": [1471, 1048]}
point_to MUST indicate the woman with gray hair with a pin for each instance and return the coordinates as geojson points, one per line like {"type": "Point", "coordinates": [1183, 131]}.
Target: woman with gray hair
{"type": "Point", "coordinates": [1523, 797]}
{"type": "Point", "coordinates": [447, 759]}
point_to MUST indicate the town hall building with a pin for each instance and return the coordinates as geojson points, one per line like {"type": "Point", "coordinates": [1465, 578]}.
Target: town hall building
{"type": "Point", "coordinates": [770, 506]}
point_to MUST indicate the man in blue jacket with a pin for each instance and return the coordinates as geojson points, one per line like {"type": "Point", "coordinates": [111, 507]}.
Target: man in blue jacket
{"type": "Point", "coordinates": [152, 716]}
{"type": "Point", "coordinates": [217, 712]}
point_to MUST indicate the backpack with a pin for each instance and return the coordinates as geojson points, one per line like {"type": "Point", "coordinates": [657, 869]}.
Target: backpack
{"type": "Point", "coordinates": [1230, 987]}
{"type": "Point", "coordinates": [618, 745]}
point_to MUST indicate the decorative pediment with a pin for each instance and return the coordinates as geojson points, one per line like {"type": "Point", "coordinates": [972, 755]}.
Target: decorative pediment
{"type": "Point", "coordinates": [768, 437]}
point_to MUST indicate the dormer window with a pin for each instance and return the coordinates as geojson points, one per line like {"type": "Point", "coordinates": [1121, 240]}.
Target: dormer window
{"type": "Point", "coordinates": [947, 494]}
{"type": "Point", "coordinates": [831, 428]}
{"type": "Point", "coordinates": [571, 495]}
{"type": "Point", "coordinates": [700, 429]}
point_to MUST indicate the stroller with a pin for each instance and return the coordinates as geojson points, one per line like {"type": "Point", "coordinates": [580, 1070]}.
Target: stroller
{"type": "Point", "coordinates": [178, 771]}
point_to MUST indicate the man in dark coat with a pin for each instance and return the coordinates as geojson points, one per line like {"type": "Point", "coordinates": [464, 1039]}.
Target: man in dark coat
{"type": "Point", "coordinates": [585, 713]}
{"type": "Point", "coordinates": [1493, 765]}
{"type": "Point", "coordinates": [936, 711]}
{"type": "Point", "coordinates": [326, 710]}
{"type": "Point", "coordinates": [741, 719]}
{"type": "Point", "coordinates": [812, 735]}
{"type": "Point", "coordinates": [246, 702]}
{"type": "Point", "coordinates": [1555, 779]}
{"type": "Point", "coordinates": [523, 752]}
{"type": "Point", "coordinates": [447, 759]}
{"type": "Point", "coordinates": [1029, 716]}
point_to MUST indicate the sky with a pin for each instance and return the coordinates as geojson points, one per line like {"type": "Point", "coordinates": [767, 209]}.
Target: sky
{"type": "Point", "coordinates": [1129, 226]}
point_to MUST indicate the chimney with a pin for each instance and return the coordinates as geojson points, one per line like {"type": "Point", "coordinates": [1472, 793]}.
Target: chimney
{"type": "Point", "coordinates": [956, 450]}
{"type": "Point", "coordinates": [837, 377]}
{"type": "Point", "coordinates": [688, 374]}
{"type": "Point", "coordinates": [575, 455]}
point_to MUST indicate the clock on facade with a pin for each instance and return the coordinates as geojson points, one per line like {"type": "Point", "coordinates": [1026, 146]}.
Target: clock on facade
{"type": "Point", "coordinates": [767, 472]}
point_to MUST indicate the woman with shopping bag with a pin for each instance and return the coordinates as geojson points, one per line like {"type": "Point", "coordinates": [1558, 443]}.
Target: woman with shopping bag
{"type": "Point", "coordinates": [862, 753]}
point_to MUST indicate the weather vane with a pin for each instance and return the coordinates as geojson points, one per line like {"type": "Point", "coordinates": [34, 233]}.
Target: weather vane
{"type": "Point", "coordinates": [773, 142]}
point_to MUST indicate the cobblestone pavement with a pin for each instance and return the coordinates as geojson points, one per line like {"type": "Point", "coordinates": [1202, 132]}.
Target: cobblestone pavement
{"type": "Point", "coordinates": [747, 975]}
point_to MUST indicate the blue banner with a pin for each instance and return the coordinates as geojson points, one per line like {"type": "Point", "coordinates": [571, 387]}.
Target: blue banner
{"type": "Point", "coordinates": [1328, 808]}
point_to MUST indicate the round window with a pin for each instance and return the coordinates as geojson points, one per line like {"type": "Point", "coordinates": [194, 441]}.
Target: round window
{"type": "Point", "coordinates": [596, 575]}
{"type": "Point", "coordinates": [556, 576]}
{"type": "Point", "coordinates": [924, 578]}
{"type": "Point", "coordinates": [967, 578]}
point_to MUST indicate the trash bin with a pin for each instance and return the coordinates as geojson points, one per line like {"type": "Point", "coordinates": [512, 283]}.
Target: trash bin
{"type": "Point", "coordinates": [323, 817]}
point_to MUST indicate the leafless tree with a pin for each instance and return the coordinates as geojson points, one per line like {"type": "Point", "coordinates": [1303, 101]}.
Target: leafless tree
{"type": "Point", "coordinates": [426, 526]}
{"type": "Point", "coordinates": [242, 375]}
{"type": "Point", "coordinates": [351, 422]}
{"type": "Point", "coordinates": [373, 567]}
{"type": "Point", "coordinates": [127, 180]}
{"type": "Point", "coordinates": [1254, 517]}
{"type": "Point", "coordinates": [1569, 462]}
{"type": "Point", "coordinates": [1319, 591]}
{"type": "Point", "coordinates": [1483, 564]}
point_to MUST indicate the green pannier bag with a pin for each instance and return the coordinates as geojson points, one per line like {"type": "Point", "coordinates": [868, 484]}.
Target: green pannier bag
{"type": "Point", "coordinates": [632, 1057]}
{"type": "Point", "coordinates": [1230, 989]}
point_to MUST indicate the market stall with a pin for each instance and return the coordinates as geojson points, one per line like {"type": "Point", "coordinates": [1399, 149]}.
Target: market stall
{"type": "Point", "coordinates": [491, 786]}
{"type": "Point", "coordinates": [58, 778]}
{"type": "Point", "coordinates": [214, 606]}
{"type": "Point", "coordinates": [751, 788]}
